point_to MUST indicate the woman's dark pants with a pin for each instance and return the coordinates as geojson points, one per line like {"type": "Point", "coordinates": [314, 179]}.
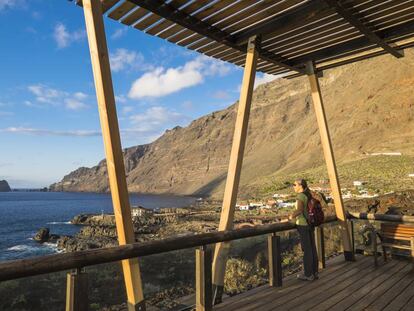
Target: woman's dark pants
{"type": "Point", "coordinates": [310, 256]}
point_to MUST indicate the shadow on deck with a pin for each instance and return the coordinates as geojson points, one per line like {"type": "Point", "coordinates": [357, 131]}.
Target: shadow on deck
{"type": "Point", "coordinates": [341, 286]}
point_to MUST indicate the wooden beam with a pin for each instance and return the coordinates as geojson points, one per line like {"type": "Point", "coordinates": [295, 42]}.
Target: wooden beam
{"type": "Point", "coordinates": [235, 164]}
{"type": "Point", "coordinates": [296, 17]}
{"type": "Point", "coordinates": [372, 36]}
{"type": "Point", "coordinates": [355, 44]}
{"type": "Point", "coordinates": [192, 23]}
{"type": "Point", "coordinates": [113, 150]}
{"type": "Point", "coordinates": [330, 160]}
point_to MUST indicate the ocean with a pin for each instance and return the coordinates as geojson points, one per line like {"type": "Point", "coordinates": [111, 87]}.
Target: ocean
{"type": "Point", "coordinates": [23, 213]}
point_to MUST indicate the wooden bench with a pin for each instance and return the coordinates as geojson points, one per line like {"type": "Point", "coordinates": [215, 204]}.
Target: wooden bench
{"type": "Point", "coordinates": [397, 236]}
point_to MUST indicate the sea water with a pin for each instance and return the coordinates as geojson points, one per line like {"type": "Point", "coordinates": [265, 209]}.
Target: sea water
{"type": "Point", "coordinates": [23, 213]}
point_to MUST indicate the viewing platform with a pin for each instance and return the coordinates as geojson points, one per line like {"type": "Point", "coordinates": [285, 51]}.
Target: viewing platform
{"type": "Point", "coordinates": [343, 285]}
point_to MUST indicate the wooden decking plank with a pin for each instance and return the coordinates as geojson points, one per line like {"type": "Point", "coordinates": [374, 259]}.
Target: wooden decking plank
{"type": "Point", "coordinates": [241, 300]}
{"type": "Point", "coordinates": [401, 301]}
{"type": "Point", "coordinates": [409, 305]}
{"type": "Point", "coordinates": [385, 299]}
{"type": "Point", "coordinates": [324, 284]}
{"type": "Point", "coordinates": [311, 297]}
{"type": "Point", "coordinates": [325, 298]}
{"type": "Point", "coordinates": [354, 293]}
{"type": "Point", "coordinates": [291, 289]}
{"type": "Point", "coordinates": [381, 289]}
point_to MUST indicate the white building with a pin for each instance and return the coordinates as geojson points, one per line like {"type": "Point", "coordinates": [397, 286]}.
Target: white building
{"type": "Point", "coordinates": [138, 211]}
{"type": "Point", "coordinates": [359, 183]}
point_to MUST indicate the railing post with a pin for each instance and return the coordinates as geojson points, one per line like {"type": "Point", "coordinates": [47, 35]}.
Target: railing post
{"type": "Point", "coordinates": [351, 223]}
{"type": "Point", "coordinates": [412, 249]}
{"type": "Point", "coordinates": [77, 291]}
{"type": "Point", "coordinates": [320, 246]}
{"type": "Point", "coordinates": [275, 260]}
{"type": "Point", "coordinates": [204, 299]}
{"type": "Point", "coordinates": [374, 246]}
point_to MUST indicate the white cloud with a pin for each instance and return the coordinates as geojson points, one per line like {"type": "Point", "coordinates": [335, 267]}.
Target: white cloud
{"type": "Point", "coordinates": [80, 95]}
{"type": "Point", "coordinates": [188, 105]}
{"type": "Point", "coordinates": [43, 132]}
{"type": "Point", "coordinates": [265, 78]}
{"type": "Point", "coordinates": [120, 99]}
{"type": "Point", "coordinates": [64, 38]}
{"type": "Point", "coordinates": [6, 113]}
{"type": "Point", "coordinates": [119, 33]}
{"type": "Point", "coordinates": [74, 104]}
{"type": "Point", "coordinates": [128, 60]}
{"type": "Point", "coordinates": [10, 4]}
{"type": "Point", "coordinates": [161, 82]}
{"type": "Point", "coordinates": [47, 95]}
{"type": "Point", "coordinates": [155, 120]}
{"type": "Point", "coordinates": [127, 109]}
{"type": "Point", "coordinates": [221, 95]}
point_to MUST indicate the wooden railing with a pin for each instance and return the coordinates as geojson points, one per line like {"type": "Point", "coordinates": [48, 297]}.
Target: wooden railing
{"type": "Point", "coordinates": [76, 261]}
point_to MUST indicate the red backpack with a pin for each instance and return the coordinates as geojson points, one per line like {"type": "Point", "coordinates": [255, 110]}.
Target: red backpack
{"type": "Point", "coordinates": [315, 212]}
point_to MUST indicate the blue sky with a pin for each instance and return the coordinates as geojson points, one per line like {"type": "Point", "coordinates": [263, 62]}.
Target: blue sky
{"type": "Point", "coordinates": [49, 123]}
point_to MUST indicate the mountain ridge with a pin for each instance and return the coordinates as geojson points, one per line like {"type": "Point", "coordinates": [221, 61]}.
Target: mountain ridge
{"type": "Point", "coordinates": [369, 108]}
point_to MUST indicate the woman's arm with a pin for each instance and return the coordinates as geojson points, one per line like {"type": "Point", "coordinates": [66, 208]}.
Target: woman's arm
{"type": "Point", "coordinates": [299, 209]}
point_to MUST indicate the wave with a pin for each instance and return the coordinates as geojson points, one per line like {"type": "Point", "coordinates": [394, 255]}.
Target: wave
{"type": "Point", "coordinates": [33, 249]}
{"type": "Point", "coordinates": [22, 248]}
{"type": "Point", "coordinates": [59, 223]}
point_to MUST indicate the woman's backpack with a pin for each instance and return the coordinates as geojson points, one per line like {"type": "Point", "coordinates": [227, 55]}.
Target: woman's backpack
{"type": "Point", "coordinates": [315, 212]}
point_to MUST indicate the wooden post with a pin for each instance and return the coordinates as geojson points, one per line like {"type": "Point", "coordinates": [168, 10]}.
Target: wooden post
{"type": "Point", "coordinates": [351, 224]}
{"type": "Point", "coordinates": [77, 291]}
{"type": "Point", "coordinates": [204, 299]}
{"type": "Point", "coordinates": [374, 246]}
{"type": "Point", "coordinates": [320, 246]}
{"type": "Point", "coordinates": [113, 150]}
{"type": "Point", "coordinates": [235, 164]}
{"type": "Point", "coordinates": [275, 260]}
{"type": "Point", "coordinates": [412, 249]}
{"type": "Point", "coordinates": [330, 160]}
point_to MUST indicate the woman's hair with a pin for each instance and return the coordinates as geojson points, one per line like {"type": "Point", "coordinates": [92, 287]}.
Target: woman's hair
{"type": "Point", "coordinates": [304, 185]}
{"type": "Point", "coordinates": [302, 182]}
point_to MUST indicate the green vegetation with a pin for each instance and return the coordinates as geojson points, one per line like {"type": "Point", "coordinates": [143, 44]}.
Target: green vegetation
{"type": "Point", "coordinates": [382, 174]}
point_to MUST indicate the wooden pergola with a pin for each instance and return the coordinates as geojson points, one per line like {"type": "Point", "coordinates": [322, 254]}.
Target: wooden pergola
{"type": "Point", "coordinates": [281, 37]}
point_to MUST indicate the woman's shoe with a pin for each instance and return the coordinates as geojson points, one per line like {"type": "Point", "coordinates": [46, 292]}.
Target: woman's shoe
{"type": "Point", "coordinates": [305, 278]}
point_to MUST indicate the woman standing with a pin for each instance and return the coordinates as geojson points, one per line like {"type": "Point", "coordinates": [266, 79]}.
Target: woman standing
{"type": "Point", "coordinates": [306, 232]}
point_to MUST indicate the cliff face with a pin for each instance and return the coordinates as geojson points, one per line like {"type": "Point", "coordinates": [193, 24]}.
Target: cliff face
{"type": "Point", "coordinates": [369, 107]}
{"type": "Point", "coordinates": [4, 186]}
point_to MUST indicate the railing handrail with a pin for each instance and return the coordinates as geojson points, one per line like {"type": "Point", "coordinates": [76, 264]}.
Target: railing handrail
{"type": "Point", "coordinates": [19, 268]}
{"type": "Point", "coordinates": [381, 217]}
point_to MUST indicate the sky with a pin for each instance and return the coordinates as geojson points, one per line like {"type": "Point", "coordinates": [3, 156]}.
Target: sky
{"type": "Point", "coordinates": [49, 122]}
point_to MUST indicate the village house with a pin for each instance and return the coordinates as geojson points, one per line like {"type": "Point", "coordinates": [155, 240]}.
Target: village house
{"type": "Point", "coordinates": [359, 183]}
{"type": "Point", "coordinates": [138, 211]}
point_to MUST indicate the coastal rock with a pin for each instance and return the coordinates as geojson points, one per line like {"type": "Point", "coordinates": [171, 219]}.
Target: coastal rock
{"type": "Point", "coordinates": [42, 235]}
{"type": "Point", "coordinates": [4, 186]}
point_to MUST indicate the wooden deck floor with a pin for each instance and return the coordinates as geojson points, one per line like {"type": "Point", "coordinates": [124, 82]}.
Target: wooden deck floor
{"type": "Point", "coordinates": [341, 286]}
